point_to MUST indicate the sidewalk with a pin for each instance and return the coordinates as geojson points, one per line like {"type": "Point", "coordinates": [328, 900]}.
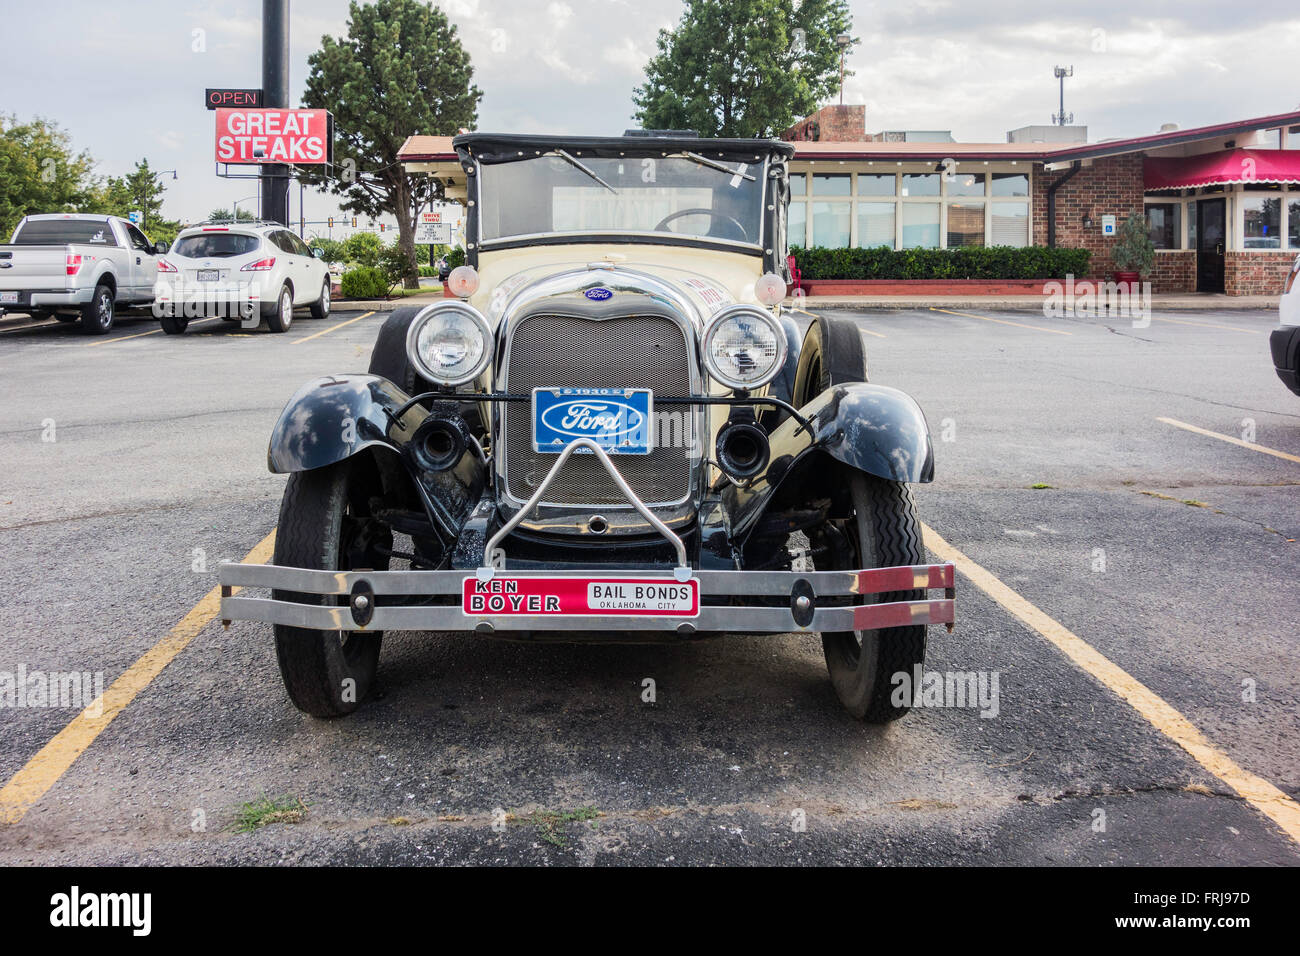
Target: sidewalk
{"type": "Point", "coordinates": [1175, 302]}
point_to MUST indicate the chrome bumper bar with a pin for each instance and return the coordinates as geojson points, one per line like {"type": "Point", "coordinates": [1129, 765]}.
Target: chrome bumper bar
{"type": "Point", "coordinates": [435, 600]}
{"type": "Point", "coordinates": [817, 600]}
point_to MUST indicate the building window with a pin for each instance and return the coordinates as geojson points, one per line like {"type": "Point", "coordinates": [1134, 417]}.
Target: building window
{"type": "Point", "coordinates": [830, 222]}
{"type": "Point", "coordinates": [797, 223]}
{"type": "Point", "coordinates": [1010, 224]}
{"type": "Point", "coordinates": [921, 225]}
{"type": "Point", "coordinates": [876, 224]}
{"type": "Point", "coordinates": [966, 184]}
{"type": "Point", "coordinates": [920, 184]}
{"type": "Point", "coordinates": [874, 184]}
{"type": "Point", "coordinates": [1295, 223]}
{"type": "Point", "coordinates": [1010, 184]}
{"type": "Point", "coordinates": [798, 184]}
{"type": "Point", "coordinates": [1163, 224]}
{"type": "Point", "coordinates": [1262, 221]}
{"type": "Point", "coordinates": [1269, 139]}
{"type": "Point", "coordinates": [965, 224]}
{"type": "Point", "coordinates": [832, 184]}
{"type": "Point", "coordinates": [1292, 138]}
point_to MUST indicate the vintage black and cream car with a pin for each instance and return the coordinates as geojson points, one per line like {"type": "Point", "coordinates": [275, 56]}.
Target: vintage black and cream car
{"type": "Point", "coordinates": [614, 433]}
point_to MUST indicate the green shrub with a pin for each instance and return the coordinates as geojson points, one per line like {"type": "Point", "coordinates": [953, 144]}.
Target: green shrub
{"type": "Point", "coordinates": [364, 282]}
{"type": "Point", "coordinates": [968, 262]}
{"type": "Point", "coordinates": [456, 257]}
{"type": "Point", "coordinates": [428, 272]}
{"type": "Point", "coordinates": [395, 265]}
{"type": "Point", "coordinates": [363, 247]}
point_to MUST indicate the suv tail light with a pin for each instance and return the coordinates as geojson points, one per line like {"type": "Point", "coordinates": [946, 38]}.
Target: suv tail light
{"type": "Point", "coordinates": [261, 265]}
{"type": "Point", "coordinates": [73, 264]}
{"type": "Point", "coordinates": [165, 266]}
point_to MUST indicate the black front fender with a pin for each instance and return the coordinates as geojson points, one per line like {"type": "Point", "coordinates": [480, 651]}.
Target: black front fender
{"type": "Point", "coordinates": [873, 428]}
{"type": "Point", "coordinates": [335, 417]}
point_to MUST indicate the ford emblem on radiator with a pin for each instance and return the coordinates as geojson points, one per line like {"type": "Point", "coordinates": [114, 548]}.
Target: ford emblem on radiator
{"type": "Point", "coordinates": [616, 419]}
{"type": "Point", "coordinates": [599, 294]}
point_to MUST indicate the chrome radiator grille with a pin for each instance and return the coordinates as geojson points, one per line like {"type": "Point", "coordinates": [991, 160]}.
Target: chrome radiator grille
{"type": "Point", "coordinates": [641, 351]}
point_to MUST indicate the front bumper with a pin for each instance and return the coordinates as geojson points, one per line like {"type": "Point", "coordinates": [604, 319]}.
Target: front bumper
{"type": "Point", "coordinates": [731, 602]}
{"type": "Point", "coordinates": [1284, 343]}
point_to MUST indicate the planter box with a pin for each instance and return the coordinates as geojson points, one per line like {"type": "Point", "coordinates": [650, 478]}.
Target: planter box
{"type": "Point", "coordinates": [925, 286]}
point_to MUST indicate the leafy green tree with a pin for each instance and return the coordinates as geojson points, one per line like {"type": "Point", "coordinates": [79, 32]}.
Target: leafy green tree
{"type": "Point", "coordinates": [363, 248]}
{"type": "Point", "coordinates": [331, 250]}
{"type": "Point", "coordinates": [743, 67]}
{"type": "Point", "coordinates": [239, 215]}
{"type": "Point", "coordinates": [40, 173]}
{"type": "Point", "coordinates": [140, 190]}
{"type": "Point", "coordinates": [400, 70]}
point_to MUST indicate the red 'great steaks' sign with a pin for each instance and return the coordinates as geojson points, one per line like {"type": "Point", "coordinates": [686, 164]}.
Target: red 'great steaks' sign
{"type": "Point", "coordinates": [301, 137]}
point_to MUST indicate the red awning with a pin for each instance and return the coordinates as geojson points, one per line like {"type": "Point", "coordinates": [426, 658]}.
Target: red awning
{"type": "Point", "coordinates": [1230, 166]}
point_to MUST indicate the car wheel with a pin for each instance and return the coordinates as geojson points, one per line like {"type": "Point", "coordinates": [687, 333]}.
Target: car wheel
{"type": "Point", "coordinates": [321, 307]}
{"type": "Point", "coordinates": [174, 324]}
{"type": "Point", "coordinates": [832, 354]}
{"type": "Point", "coordinates": [884, 531]}
{"type": "Point", "coordinates": [97, 314]}
{"type": "Point", "coordinates": [281, 316]}
{"type": "Point", "coordinates": [323, 526]}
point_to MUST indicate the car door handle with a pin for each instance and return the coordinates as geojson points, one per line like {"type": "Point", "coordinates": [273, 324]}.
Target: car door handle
{"type": "Point", "coordinates": [138, 260]}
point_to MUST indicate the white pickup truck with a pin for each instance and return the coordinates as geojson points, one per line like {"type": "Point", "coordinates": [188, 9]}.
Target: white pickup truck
{"type": "Point", "coordinates": [78, 268]}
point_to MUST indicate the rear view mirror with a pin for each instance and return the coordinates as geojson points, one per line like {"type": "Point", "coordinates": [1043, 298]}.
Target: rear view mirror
{"type": "Point", "coordinates": [160, 248]}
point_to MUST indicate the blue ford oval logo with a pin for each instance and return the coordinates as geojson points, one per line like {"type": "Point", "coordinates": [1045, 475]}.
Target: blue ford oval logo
{"type": "Point", "coordinates": [598, 294]}
{"type": "Point", "coordinates": [593, 418]}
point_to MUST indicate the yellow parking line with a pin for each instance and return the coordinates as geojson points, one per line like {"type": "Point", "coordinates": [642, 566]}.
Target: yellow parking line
{"type": "Point", "coordinates": [1261, 794]}
{"type": "Point", "coordinates": [333, 328]}
{"type": "Point", "coordinates": [40, 773]}
{"type": "Point", "coordinates": [1208, 325]}
{"type": "Point", "coordinates": [1019, 325]}
{"type": "Point", "coordinates": [120, 338]}
{"type": "Point", "coordinates": [1264, 449]}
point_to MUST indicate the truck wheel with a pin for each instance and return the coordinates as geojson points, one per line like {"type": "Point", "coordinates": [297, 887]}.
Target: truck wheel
{"type": "Point", "coordinates": [174, 324]}
{"type": "Point", "coordinates": [281, 315]}
{"type": "Point", "coordinates": [323, 527]}
{"type": "Point", "coordinates": [883, 532]}
{"type": "Point", "coordinates": [97, 314]}
{"type": "Point", "coordinates": [321, 307]}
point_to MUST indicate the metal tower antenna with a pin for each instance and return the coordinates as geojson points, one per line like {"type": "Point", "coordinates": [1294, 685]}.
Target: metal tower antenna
{"type": "Point", "coordinates": [1062, 118]}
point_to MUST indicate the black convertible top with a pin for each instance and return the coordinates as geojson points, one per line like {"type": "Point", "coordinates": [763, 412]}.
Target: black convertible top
{"type": "Point", "coordinates": [505, 147]}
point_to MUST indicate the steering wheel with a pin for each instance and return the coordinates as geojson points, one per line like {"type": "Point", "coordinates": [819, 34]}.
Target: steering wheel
{"type": "Point", "coordinates": [700, 211]}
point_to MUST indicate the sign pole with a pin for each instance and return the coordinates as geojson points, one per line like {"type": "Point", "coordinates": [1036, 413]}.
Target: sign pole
{"type": "Point", "coordinates": [275, 93]}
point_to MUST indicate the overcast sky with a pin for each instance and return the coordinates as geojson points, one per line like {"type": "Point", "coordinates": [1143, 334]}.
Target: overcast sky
{"type": "Point", "coordinates": [126, 77]}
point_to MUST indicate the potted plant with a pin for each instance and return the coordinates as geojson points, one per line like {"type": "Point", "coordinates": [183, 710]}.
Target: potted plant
{"type": "Point", "coordinates": [1134, 253]}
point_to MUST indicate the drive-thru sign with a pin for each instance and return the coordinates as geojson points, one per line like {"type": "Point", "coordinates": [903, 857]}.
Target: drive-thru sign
{"type": "Point", "coordinates": [300, 137]}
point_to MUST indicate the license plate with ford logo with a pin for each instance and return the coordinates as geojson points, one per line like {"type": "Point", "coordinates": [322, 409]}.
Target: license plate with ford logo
{"type": "Point", "coordinates": [617, 419]}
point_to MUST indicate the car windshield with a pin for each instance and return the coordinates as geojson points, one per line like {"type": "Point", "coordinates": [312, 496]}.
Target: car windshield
{"type": "Point", "coordinates": [568, 192]}
{"type": "Point", "coordinates": [216, 245]}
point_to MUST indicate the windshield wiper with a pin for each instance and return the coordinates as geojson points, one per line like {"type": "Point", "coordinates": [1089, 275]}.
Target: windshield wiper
{"type": "Point", "coordinates": [705, 161]}
{"type": "Point", "coordinates": [584, 167]}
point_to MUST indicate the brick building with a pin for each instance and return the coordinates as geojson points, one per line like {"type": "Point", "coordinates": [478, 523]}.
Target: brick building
{"type": "Point", "coordinates": [1222, 202]}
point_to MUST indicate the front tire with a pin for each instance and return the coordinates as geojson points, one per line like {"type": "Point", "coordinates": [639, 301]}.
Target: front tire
{"type": "Point", "coordinates": [322, 526]}
{"type": "Point", "coordinates": [320, 309]}
{"type": "Point", "coordinates": [884, 531]}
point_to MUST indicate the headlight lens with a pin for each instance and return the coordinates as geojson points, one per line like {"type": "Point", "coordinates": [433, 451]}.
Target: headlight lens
{"type": "Point", "coordinates": [449, 344]}
{"type": "Point", "coordinates": [744, 347]}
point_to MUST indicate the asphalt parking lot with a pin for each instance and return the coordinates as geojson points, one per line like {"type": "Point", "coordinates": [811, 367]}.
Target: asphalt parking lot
{"type": "Point", "coordinates": [1147, 600]}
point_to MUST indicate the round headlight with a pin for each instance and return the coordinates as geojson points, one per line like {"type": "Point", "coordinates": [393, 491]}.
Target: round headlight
{"type": "Point", "coordinates": [449, 344]}
{"type": "Point", "coordinates": [744, 347]}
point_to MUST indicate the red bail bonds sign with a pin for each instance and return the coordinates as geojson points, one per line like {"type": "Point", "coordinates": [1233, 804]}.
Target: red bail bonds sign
{"type": "Point", "coordinates": [301, 137]}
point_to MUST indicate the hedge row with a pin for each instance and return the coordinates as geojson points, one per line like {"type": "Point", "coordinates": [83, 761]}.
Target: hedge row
{"type": "Point", "coordinates": [968, 262]}
{"type": "Point", "coordinates": [364, 282]}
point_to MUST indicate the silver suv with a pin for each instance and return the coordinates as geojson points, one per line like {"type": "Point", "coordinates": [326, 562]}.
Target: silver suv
{"type": "Point", "coordinates": [240, 271]}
